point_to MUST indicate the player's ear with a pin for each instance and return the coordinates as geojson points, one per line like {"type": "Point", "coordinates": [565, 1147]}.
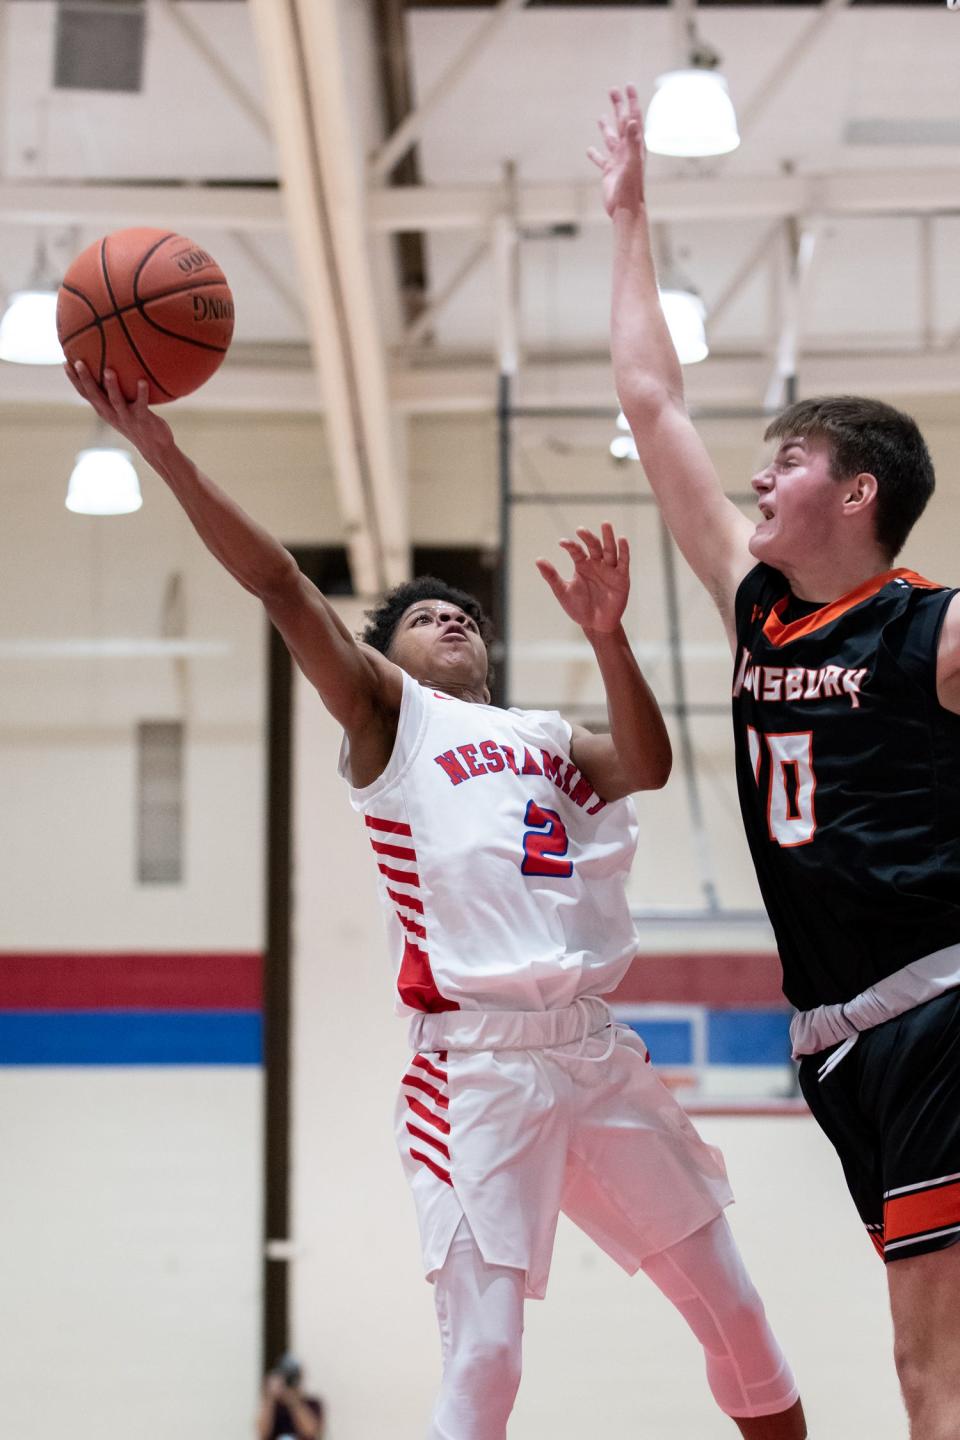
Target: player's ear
{"type": "Point", "coordinates": [860, 491]}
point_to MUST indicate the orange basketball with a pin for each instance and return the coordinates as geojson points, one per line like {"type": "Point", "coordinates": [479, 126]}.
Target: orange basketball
{"type": "Point", "coordinates": [150, 305]}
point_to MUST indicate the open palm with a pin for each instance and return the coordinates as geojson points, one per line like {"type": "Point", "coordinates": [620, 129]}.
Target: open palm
{"type": "Point", "coordinates": [623, 157]}
{"type": "Point", "coordinates": [596, 596]}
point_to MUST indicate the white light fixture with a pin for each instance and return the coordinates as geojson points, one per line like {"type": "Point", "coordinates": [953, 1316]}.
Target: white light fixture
{"type": "Point", "coordinates": [684, 313]}
{"type": "Point", "coordinates": [28, 330]}
{"type": "Point", "coordinates": [623, 447]}
{"type": "Point", "coordinates": [104, 482]}
{"type": "Point", "coordinates": [691, 113]}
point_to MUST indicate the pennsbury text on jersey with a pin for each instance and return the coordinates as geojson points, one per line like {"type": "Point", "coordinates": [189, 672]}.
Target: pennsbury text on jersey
{"type": "Point", "coordinates": [462, 763]}
{"type": "Point", "coordinates": [795, 682]}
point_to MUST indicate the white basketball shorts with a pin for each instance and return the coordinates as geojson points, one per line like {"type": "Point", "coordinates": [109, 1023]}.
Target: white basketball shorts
{"type": "Point", "coordinates": [509, 1118]}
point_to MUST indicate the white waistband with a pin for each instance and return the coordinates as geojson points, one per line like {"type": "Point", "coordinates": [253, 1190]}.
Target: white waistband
{"type": "Point", "coordinates": [509, 1029]}
{"type": "Point", "coordinates": [915, 984]}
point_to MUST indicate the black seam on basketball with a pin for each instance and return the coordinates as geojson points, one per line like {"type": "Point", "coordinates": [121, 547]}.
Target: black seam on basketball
{"type": "Point", "coordinates": [186, 339]}
{"type": "Point", "coordinates": [130, 342]}
{"type": "Point", "coordinates": [72, 290]}
{"type": "Point", "coordinates": [161, 295]}
{"type": "Point", "coordinates": [152, 251]}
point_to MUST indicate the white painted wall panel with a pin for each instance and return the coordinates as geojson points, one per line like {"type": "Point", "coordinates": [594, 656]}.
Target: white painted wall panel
{"type": "Point", "coordinates": [130, 1222]}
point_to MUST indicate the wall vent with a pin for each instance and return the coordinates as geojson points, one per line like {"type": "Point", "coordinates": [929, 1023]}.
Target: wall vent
{"type": "Point", "coordinates": [99, 45]}
{"type": "Point", "coordinates": [160, 802]}
{"type": "Point", "coordinates": [884, 130]}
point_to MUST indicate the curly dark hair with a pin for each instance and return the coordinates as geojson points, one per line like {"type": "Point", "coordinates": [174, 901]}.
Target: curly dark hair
{"type": "Point", "coordinates": [867, 435]}
{"type": "Point", "coordinates": [382, 621]}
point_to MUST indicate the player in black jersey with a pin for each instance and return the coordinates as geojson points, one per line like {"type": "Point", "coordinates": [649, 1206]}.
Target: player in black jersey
{"type": "Point", "coordinates": [846, 703]}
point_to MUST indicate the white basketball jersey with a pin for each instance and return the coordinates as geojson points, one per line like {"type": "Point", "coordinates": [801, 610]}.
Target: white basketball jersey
{"type": "Point", "coordinates": [501, 870]}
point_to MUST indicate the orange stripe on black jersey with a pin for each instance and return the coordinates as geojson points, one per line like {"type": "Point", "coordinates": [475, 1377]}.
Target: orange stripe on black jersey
{"type": "Point", "coordinates": [920, 1211]}
{"type": "Point", "coordinates": [779, 633]}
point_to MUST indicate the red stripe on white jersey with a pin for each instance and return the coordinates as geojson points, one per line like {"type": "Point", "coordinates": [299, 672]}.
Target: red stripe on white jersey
{"type": "Point", "coordinates": [430, 1139]}
{"type": "Point", "coordinates": [442, 1125]}
{"type": "Point", "coordinates": [431, 1090]}
{"type": "Point", "coordinates": [440, 1173]}
{"type": "Point", "coordinates": [410, 901]}
{"type": "Point", "coordinates": [396, 852]}
{"type": "Point", "coordinates": [423, 1063]}
{"type": "Point", "coordinates": [412, 927]}
{"type": "Point", "coordinates": [416, 984]}
{"type": "Point", "coordinates": [390, 827]}
{"type": "Point", "coordinates": [402, 877]}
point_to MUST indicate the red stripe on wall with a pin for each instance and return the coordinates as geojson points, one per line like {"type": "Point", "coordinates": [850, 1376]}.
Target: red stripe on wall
{"type": "Point", "coordinates": [131, 981]}
{"type": "Point", "coordinates": [714, 978]}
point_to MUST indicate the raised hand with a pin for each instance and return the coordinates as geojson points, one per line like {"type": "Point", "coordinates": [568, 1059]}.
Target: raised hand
{"type": "Point", "coordinates": [596, 596]}
{"type": "Point", "coordinates": [135, 420]}
{"type": "Point", "coordinates": [624, 156]}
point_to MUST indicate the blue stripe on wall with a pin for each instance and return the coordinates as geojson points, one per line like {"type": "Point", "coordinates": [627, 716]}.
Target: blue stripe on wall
{"type": "Point", "coordinates": [748, 1037]}
{"type": "Point", "coordinates": [130, 1037]}
{"type": "Point", "coordinates": [669, 1041]}
{"type": "Point", "coordinates": [734, 1037]}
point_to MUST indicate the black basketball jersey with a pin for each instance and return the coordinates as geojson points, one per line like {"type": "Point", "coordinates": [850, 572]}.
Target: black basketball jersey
{"type": "Point", "coordinates": [848, 770]}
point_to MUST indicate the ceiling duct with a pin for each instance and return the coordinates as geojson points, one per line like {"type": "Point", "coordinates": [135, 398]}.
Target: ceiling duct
{"type": "Point", "coordinates": [99, 45]}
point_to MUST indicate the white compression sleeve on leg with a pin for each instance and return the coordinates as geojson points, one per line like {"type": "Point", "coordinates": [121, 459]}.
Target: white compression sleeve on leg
{"type": "Point", "coordinates": [480, 1310]}
{"type": "Point", "coordinates": [705, 1278]}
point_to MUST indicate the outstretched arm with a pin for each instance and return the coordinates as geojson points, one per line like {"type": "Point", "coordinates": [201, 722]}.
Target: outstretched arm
{"type": "Point", "coordinates": [359, 687]}
{"type": "Point", "coordinates": [709, 529]}
{"type": "Point", "coordinates": [636, 754]}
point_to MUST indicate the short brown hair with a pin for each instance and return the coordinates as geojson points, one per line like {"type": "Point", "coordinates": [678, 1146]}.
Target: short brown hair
{"type": "Point", "coordinates": [869, 436]}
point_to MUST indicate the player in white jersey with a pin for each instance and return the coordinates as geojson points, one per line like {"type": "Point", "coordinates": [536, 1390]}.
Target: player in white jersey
{"type": "Point", "coordinates": [502, 840]}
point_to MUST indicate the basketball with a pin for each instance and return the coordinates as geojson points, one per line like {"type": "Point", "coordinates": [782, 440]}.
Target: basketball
{"type": "Point", "coordinates": [149, 305]}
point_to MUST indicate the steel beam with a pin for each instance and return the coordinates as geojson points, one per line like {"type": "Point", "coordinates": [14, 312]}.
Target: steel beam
{"type": "Point", "coordinates": [474, 207]}
{"type": "Point", "coordinates": [448, 383]}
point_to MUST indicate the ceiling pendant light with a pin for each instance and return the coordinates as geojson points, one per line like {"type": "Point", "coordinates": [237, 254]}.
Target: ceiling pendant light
{"type": "Point", "coordinates": [691, 112]}
{"type": "Point", "coordinates": [104, 482]}
{"type": "Point", "coordinates": [684, 313]}
{"type": "Point", "coordinates": [624, 447]}
{"type": "Point", "coordinates": [28, 328]}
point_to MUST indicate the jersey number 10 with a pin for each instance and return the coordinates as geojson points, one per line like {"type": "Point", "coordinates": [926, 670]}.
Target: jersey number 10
{"type": "Point", "coordinates": [791, 817]}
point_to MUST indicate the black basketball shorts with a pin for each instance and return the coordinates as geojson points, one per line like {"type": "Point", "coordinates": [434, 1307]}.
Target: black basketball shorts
{"type": "Point", "coordinates": [891, 1109]}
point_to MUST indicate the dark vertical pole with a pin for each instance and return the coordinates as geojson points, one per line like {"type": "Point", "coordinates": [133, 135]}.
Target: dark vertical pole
{"type": "Point", "coordinates": [276, 1001]}
{"type": "Point", "coordinates": [687, 757]}
{"type": "Point", "coordinates": [504, 438]}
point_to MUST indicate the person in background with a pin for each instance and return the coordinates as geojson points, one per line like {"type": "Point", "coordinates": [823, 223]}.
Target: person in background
{"type": "Point", "coordinates": [286, 1412]}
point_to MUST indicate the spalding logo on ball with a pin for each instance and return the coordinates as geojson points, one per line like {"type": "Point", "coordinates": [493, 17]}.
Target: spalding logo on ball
{"type": "Point", "coordinates": [150, 305]}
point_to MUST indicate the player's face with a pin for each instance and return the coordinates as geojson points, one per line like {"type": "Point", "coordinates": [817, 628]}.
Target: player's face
{"type": "Point", "coordinates": [439, 643]}
{"type": "Point", "coordinates": [800, 504]}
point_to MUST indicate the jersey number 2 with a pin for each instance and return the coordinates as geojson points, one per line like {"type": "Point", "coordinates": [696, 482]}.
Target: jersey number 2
{"type": "Point", "coordinates": [544, 842]}
{"type": "Point", "coordinates": [791, 817]}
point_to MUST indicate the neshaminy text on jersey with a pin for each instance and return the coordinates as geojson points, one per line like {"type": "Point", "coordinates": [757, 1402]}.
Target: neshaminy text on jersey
{"type": "Point", "coordinates": [499, 758]}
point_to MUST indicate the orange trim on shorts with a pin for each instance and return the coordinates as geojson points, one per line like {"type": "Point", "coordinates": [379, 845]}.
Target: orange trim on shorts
{"type": "Point", "coordinates": [780, 634]}
{"type": "Point", "coordinates": [876, 1240]}
{"type": "Point", "coordinates": [920, 1211]}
